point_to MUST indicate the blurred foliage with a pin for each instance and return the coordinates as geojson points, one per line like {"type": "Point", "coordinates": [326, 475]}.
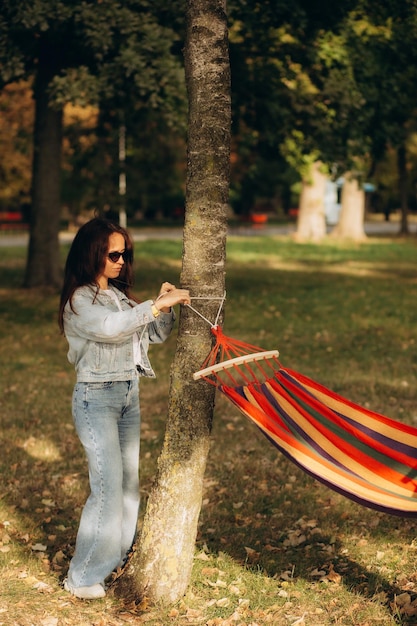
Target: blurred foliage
{"type": "Point", "coordinates": [309, 80]}
{"type": "Point", "coordinates": [123, 60]}
{"type": "Point", "coordinates": [16, 122]}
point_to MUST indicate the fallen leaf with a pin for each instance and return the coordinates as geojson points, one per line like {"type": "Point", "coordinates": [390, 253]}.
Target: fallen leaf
{"type": "Point", "coordinates": [333, 576]}
{"type": "Point", "coordinates": [402, 604]}
{"type": "Point", "coordinates": [193, 613]}
{"type": "Point", "coordinates": [48, 502]}
{"type": "Point", "coordinates": [49, 621]}
{"type": "Point", "coordinates": [59, 557]}
{"type": "Point", "coordinates": [295, 538]}
{"type": "Point", "coordinates": [402, 599]}
{"type": "Point", "coordinates": [210, 571]}
{"type": "Point", "coordinates": [252, 554]}
{"type": "Point", "coordinates": [43, 587]}
{"type": "Point", "coordinates": [39, 547]}
{"type": "Point", "coordinates": [202, 556]}
{"type": "Point", "coordinates": [319, 573]}
{"type": "Point", "coordinates": [410, 610]}
{"type": "Point", "coordinates": [270, 548]}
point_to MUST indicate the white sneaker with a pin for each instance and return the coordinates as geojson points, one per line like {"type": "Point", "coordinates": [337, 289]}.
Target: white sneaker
{"type": "Point", "coordinates": [93, 592]}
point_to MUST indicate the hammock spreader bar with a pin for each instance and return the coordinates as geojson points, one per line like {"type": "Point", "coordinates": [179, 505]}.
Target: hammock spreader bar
{"type": "Point", "coordinates": [365, 456]}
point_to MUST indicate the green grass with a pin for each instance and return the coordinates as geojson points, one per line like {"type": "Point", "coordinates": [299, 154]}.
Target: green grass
{"type": "Point", "coordinates": [273, 545]}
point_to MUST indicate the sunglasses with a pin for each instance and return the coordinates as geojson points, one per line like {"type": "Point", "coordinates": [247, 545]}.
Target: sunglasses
{"type": "Point", "coordinates": [115, 256]}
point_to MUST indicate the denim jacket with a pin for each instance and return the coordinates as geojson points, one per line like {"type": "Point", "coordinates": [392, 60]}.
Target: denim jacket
{"type": "Point", "coordinates": [100, 336]}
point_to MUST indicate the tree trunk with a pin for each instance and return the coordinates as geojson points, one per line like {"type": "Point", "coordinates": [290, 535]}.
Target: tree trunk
{"type": "Point", "coordinates": [311, 224]}
{"type": "Point", "coordinates": [43, 260]}
{"type": "Point", "coordinates": [403, 188]}
{"type": "Point", "coordinates": [161, 567]}
{"type": "Point", "coordinates": [352, 214]}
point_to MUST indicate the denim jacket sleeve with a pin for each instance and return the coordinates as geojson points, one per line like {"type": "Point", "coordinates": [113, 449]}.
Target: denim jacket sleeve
{"type": "Point", "coordinates": [96, 318]}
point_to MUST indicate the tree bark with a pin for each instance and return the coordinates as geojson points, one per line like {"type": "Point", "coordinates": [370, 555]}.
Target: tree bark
{"type": "Point", "coordinates": [311, 223]}
{"type": "Point", "coordinates": [43, 260]}
{"type": "Point", "coordinates": [160, 569]}
{"type": "Point", "coordinates": [352, 214]}
{"type": "Point", "coordinates": [403, 188]}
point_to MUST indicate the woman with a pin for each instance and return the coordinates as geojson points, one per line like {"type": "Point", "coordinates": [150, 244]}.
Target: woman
{"type": "Point", "coordinates": [108, 335]}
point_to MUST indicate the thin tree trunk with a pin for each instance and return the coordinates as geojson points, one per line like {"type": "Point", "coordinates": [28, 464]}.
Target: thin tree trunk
{"type": "Point", "coordinates": [403, 188]}
{"type": "Point", "coordinates": [352, 214]}
{"type": "Point", "coordinates": [161, 567]}
{"type": "Point", "coordinates": [311, 223]}
{"type": "Point", "coordinates": [43, 260]}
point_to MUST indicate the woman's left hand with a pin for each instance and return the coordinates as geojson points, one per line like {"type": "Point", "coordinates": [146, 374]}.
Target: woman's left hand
{"type": "Point", "coordinates": [165, 288]}
{"type": "Point", "coordinates": [169, 295]}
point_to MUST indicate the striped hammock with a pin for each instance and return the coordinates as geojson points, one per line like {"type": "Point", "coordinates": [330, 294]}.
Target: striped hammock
{"type": "Point", "coordinates": [363, 455]}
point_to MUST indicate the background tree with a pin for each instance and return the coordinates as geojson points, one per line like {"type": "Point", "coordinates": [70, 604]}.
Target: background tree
{"type": "Point", "coordinates": [367, 76]}
{"type": "Point", "coordinates": [330, 134]}
{"type": "Point", "coordinates": [350, 225]}
{"type": "Point", "coordinates": [79, 52]}
{"type": "Point", "coordinates": [337, 85]}
{"type": "Point", "coordinates": [311, 225]}
{"type": "Point", "coordinates": [161, 567]}
{"type": "Point", "coordinates": [277, 77]}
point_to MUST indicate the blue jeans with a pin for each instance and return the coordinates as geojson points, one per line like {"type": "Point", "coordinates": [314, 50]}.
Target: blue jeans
{"type": "Point", "coordinates": [107, 420]}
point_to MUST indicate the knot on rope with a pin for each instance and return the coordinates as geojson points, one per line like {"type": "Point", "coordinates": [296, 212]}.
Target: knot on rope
{"type": "Point", "coordinates": [222, 299]}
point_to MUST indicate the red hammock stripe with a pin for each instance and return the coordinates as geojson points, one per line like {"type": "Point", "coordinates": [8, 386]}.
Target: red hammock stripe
{"type": "Point", "coordinates": [353, 458]}
{"type": "Point", "coordinates": [366, 456]}
{"type": "Point", "coordinates": [380, 440]}
{"type": "Point", "coordinates": [354, 449]}
{"type": "Point", "coordinates": [327, 472]}
{"type": "Point", "coordinates": [358, 464]}
{"type": "Point", "coordinates": [392, 428]}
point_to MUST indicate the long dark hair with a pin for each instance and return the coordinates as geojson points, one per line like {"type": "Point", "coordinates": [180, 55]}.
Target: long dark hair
{"type": "Point", "coordinates": [87, 258]}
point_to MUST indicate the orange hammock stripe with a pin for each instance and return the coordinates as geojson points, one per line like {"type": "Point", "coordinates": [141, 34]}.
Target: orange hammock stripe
{"type": "Point", "coordinates": [366, 456]}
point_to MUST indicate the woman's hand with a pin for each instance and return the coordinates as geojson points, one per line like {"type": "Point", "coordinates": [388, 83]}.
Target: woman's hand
{"type": "Point", "coordinates": [169, 296]}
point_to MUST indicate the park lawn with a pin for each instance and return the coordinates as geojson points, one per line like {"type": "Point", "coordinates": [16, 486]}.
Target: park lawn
{"type": "Point", "coordinates": [274, 546]}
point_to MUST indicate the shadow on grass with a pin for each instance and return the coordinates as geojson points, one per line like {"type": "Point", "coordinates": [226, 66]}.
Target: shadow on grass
{"type": "Point", "coordinates": [47, 495]}
{"type": "Point", "coordinates": [301, 531]}
{"type": "Point", "coordinates": [308, 314]}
